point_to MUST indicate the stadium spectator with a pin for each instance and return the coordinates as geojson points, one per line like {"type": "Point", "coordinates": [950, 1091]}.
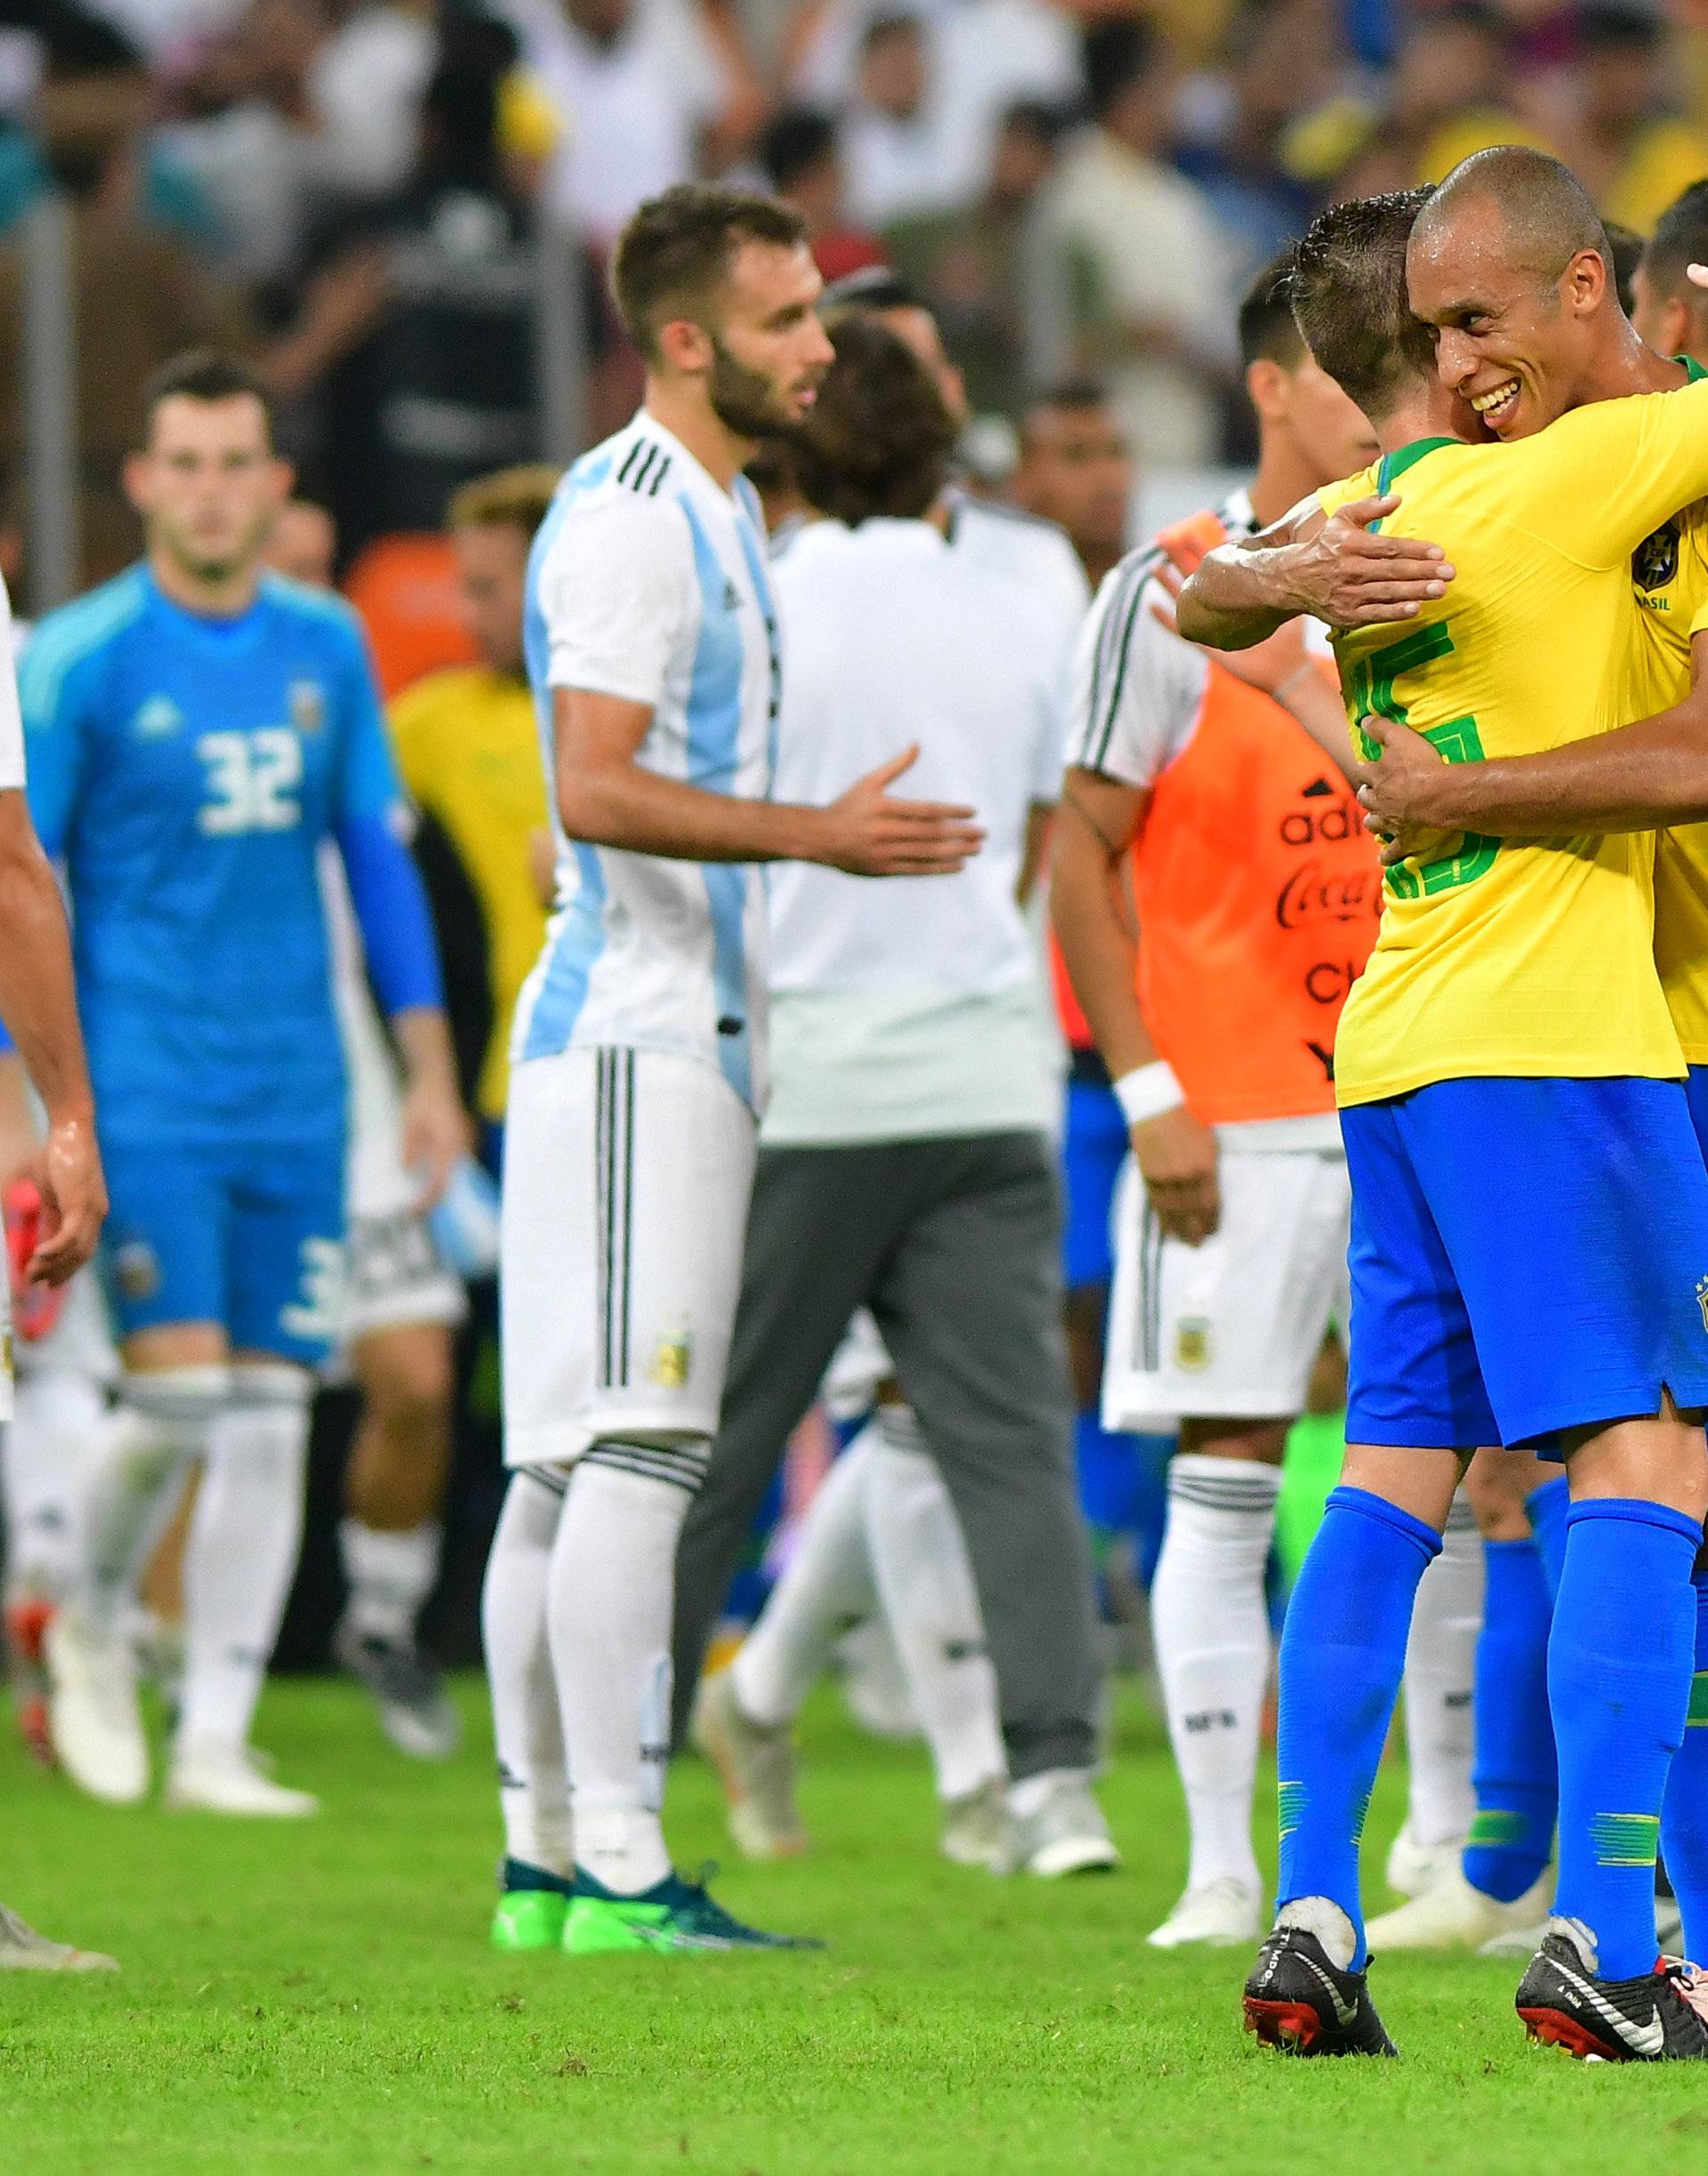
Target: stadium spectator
{"type": "Point", "coordinates": [1632, 153]}
{"type": "Point", "coordinates": [1147, 299]}
{"type": "Point", "coordinates": [638, 86]}
{"type": "Point", "coordinates": [1076, 470]}
{"type": "Point", "coordinates": [442, 384]}
{"type": "Point", "coordinates": [973, 265]}
{"type": "Point", "coordinates": [894, 144]}
{"type": "Point", "coordinates": [802, 161]}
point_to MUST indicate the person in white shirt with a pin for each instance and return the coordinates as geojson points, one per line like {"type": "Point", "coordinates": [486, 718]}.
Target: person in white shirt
{"type": "Point", "coordinates": [638, 1054]}
{"type": "Point", "coordinates": [906, 1161]}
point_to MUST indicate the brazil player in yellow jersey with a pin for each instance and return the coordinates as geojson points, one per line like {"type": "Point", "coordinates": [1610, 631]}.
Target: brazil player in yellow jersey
{"type": "Point", "coordinates": [1531, 1211]}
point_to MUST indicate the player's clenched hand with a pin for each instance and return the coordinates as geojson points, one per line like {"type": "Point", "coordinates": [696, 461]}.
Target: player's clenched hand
{"type": "Point", "coordinates": [1350, 577]}
{"type": "Point", "coordinates": [1177, 1160]}
{"type": "Point", "coordinates": [1400, 793]}
{"type": "Point", "coordinates": [74, 1200]}
{"type": "Point", "coordinates": [869, 832]}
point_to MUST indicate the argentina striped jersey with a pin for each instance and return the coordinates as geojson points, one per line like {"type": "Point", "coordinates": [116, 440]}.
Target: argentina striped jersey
{"type": "Point", "coordinates": [647, 581]}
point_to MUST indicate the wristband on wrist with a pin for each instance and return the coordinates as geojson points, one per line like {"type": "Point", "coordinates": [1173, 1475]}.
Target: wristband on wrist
{"type": "Point", "coordinates": [1148, 1091]}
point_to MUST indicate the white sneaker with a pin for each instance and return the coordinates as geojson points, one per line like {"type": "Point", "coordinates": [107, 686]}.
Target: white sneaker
{"type": "Point", "coordinates": [976, 1829]}
{"type": "Point", "coordinates": [756, 1764]}
{"type": "Point", "coordinates": [1414, 1867]}
{"type": "Point", "coordinates": [1454, 1915]}
{"type": "Point", "coordinates": [1225, 1913]}
{"type": "Point", "coordinates": [23, 1950]}
{"type": "Point", "coordinates": [1065, 1834]}
{"type": "Point", "coordinates": [93, 1717]}
{"type": "Point", "coordinates": [212, 1775]}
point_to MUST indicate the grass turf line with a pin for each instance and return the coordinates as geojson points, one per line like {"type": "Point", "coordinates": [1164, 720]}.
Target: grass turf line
{"type": "Point", "coordinates": [319, 1997]}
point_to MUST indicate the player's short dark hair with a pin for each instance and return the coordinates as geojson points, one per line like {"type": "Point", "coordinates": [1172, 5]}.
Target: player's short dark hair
{"type": "Point", "coordinates": [877, 440]}
{"type": "Point", "coordinates": [207, 374]}
{"type": "Point", "coordinates": [1680, 239]}
{"type": "Point", "coordinates": [1268, 331]}
{"type": "Point", "coordinates": [796, 141]}
{"type": "Point", "coordinates": [677, 249]}
{"type": "Point", "coordinates": [874, 286]}
{"type": "Point", "coordinates": [1627, 246]}
{"type": "Point", "coordinates": [1348, 297]}
{"type": "Point", "coordinates": [1064, 397]}
{"type": "Point", "coordinates": [1547, 214]}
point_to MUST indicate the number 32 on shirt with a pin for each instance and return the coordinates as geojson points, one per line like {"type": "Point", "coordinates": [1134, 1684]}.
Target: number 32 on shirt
{"type": "Point", "coordinates": [252, 781]}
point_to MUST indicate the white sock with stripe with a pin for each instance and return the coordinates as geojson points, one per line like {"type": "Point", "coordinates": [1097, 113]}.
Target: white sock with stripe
{"type": "Point", "coordinates": [526, 1726]}
{"type": "Point", "coordinates": [1440, 1670]}
{"type": "Point", "coordinates": [1211, 1624]}
{"type": "Point", "coordinates": [925, 1584]}
{"type": "Point", "coordinates": [609, 1603]}
{"type": "Point", "coordinates": [826, 1587]}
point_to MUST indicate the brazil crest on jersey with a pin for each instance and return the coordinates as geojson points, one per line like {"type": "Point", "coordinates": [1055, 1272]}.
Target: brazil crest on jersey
{"type": "Point", "coordinates": [187, 770]}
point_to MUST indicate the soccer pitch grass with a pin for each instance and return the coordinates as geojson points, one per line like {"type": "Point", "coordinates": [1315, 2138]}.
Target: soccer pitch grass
{"type": "Point", "coordinates": [320, 1997]}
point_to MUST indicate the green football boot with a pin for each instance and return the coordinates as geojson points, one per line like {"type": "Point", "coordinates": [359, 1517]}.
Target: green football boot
{"type": "Point", "coordinates": [674, 1915]}
{"type": "Point", "coordinates": [530, 1914]}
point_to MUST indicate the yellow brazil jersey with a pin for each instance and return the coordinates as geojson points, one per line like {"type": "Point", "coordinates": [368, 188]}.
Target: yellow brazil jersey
{"type": "Point", "coordinates": [1670, 578]}
{"type": "Point", "coordinates": [468, 744]}
{"type": "Point", "coordinates": [1515, 957]}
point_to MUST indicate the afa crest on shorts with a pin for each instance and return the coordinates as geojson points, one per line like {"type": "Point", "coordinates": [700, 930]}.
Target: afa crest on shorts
{"type": "Point", "coordinates": [1656, 560]}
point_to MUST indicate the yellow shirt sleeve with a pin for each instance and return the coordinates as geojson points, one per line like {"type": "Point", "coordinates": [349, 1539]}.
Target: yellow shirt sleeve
{"type": "Point", "coordinates": [1348, 491]}
{"type": "Point", "coordinates": [1594, 484]}
{"type": "Point", "coordinates": [410, 719]}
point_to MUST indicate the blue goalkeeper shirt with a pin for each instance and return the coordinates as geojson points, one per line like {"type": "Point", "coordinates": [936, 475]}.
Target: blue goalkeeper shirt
{"type": "Point", "coordinates": [186, 769]}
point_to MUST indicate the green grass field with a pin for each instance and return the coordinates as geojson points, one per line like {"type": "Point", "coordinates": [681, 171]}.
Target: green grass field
{"type": "Point", "coordinates": [321, 1998]}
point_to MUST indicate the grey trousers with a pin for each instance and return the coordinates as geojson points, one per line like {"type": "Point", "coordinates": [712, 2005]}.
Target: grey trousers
{"type": "Point", "coordinates": [954, 1245]}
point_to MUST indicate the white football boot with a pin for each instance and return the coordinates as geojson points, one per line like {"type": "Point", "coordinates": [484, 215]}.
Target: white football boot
{"type": "Point", "coordinates": [1414, 1867]}
{"type": "Point", "coordinates": [1063, 1832]}
{"type": "Point", "coordinates": [1454, 1915]}
{"type": "Point", "coordinates": [93, 1717]}
{"type": "Point", "coordinates": [213, 1776]}
{"type": "Point", "coordinates": [756, 1764]}
{"type": "Point", "coordinates": [23, 1950]}
{"type": "Point", "coordinates": [1225, 1913]}
{"type": "Point", "coordinates": [976, 1830]}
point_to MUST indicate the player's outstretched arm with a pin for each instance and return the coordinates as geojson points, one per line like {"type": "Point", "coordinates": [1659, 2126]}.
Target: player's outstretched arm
{"type": "Point", "coordinates": [38, 1004]}
{"type": "Point", "coordinates": [1333, 567]}
{"type": "Point", "coordinates": [1643, 777]}
{"type": "Point", "coordinates": [607, 798]}
{"type": "Point", "coordinates": [1100, 818]}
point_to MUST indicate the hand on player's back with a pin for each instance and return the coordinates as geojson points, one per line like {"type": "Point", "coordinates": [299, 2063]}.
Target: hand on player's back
{"type": "Point", "coordinates": [1351, 576]}
{"type": "Point", "coordinates": [74, 1201]}
{"type": "Point", "coordinates": [871, 831]}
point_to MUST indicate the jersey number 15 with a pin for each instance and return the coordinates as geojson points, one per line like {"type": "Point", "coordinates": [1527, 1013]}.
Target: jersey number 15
{"type": "Point", "coordinates": [252, 781]}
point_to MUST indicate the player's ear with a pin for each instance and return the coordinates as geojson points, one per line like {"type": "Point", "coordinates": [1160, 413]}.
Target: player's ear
{"type": "Point", "coordinates": [1585, 282]}
{"type": "Point", "coordinates": [134, 475]}
{"type": "Point", "coordinates": [685, 347]}
{"type": "Point", "coordinates": [1677, 326]}
{"type": "Point", "coordinates": [1268, 384]}
{"type": "Point", "coordinates": [284, 480]}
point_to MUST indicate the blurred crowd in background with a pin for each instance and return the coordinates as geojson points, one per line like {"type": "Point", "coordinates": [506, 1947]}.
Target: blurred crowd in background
{"type": "Point", "coordinates": [358, 193]}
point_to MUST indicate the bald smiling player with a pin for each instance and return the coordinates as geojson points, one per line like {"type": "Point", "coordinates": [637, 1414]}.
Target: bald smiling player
{"type": "Point", "coordinates": [1510, 1019]}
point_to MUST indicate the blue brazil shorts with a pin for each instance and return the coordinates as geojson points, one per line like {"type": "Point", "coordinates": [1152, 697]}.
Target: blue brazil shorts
{"type": "Point", "coordinates": [1528, 1256]}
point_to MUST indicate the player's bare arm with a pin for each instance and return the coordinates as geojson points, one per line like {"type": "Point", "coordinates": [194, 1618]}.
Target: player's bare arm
{"type": "Point", "coordinates": [1100, 818]}
{"type": "Point", "coordinates": [1335, 569]}
{"type": "Point", "coordinates": [1040, 824]}
{"type": "Point", "coordinates": [1643, 777]}
{"type": "Point", "coordinates": [38, 1002]}
{"type": "Point", "coordinates": [605, 797]}
{"type": "Point", "coordinates": [1282, 668]}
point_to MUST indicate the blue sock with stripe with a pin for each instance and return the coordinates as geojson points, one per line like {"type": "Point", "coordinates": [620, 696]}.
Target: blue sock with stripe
{"type": "Point", "coordinates": [1684, 1814]}
{"type": "Point", "coordinates": [1518, 1791]}
{"type": "Point", "coordinates": [1547, 1507]}
{"type": "Point", "coordinates": [1343, 1654]}
{"type": "Point", "coordinates": [1619, 1672]}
